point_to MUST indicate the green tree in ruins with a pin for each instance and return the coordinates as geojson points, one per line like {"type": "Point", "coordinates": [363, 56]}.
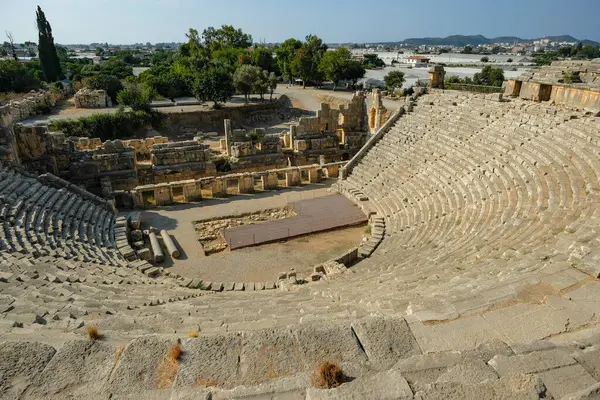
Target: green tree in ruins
{"type": "Point", "coordinates": [46, 48]}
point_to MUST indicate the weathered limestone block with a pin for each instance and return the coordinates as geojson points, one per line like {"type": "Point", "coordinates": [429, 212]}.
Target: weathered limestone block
{"type": "Point", "coordinates": [313, 175]}
{"type": "Point", "coordinates": [246, 183]}
{"type": "Point", "coordinates": [385, 340]}
{"type": "Point", "coordinates": [535, 91]}
{"type": "Point", "coordinates": [292, 178]}
{"type": "Point", "coordinates": [145, 254]}
{"type": "Point", "coordinates": [512, 88]}
{"type": "Point", "coordinates": [282, 359]}
{"type": "Point", "coordinates": [517, 386]}
{"type": "Point", "coordinates": [436, 76]}
{"type": "Point", "coordinates": [20, 363]}
{"type": "Point", "coordinates": [162, 194]}
{"type": "Point", "coordinates": [138, 367]}
{"type": "Point", "coordinates": [388, 385]}
{"type": "Point", "coordinates": [86, 98]}
{"type": "Point", "coordinates": [135, 220]}
{"type": "Point", "coordinates": [300, 145]}
{"type": "Point", "coordinates": [80, 367]}
{"type": "Point", "coordinates": [332, 342]}
{"type": "Point", "coordinates": [210, 359]}
{"type": "Point", "coordinates": [191, 190]}
{"type": "Point", "coordinates": [581, 98]}
{"type": "Point", "coordinates": [270, 181]}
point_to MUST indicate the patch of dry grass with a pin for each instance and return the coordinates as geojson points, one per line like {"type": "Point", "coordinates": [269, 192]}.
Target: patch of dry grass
{"type": "Point", "coordinates": [329, 375]}
{"type": "Point", "coordinates": [168, 367]}
{"type": "Point", "coordinates": [93, 333]}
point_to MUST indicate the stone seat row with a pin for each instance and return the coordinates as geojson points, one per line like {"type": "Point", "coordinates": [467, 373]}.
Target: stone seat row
{"type": "Point", "coordinates": [63, 295]}
{"type": "Point", "coordinates": [40, 219]}
{"type": "Point", "coordinates": [478, 192]}
{"type": "Point", "coordinates": [44, 291]}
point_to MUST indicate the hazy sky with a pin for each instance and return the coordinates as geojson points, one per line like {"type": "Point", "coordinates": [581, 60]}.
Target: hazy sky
{"type": "Point", "coordinates": [132, 21]}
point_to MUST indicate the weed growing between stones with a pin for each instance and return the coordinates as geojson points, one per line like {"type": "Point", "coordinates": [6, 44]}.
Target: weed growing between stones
{"type": "Point", "coordinates": [329, 375]}
{"type": "Point", "coordinates": [93, 333]}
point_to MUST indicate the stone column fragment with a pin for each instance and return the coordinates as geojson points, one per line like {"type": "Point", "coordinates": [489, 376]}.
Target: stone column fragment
{"type": "Point", "coordinates": [171, 248]}
{"type": "Point", "coordinates": [156, 249]}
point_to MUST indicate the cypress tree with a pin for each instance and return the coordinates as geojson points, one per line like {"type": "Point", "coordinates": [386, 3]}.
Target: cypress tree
{"type": "Point", "coordinates": [46, 48]}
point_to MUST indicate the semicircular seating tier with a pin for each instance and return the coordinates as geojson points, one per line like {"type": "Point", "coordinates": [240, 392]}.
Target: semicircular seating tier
{"type": "Point", "coordinates": [488, 267]}
{"type": "Point", "coordinates": [480, 199]}
{"type": "Point", "coordinates": [47, 216]}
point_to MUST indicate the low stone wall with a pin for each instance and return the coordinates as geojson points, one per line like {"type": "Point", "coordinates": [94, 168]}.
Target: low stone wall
{"type": "Point", "coordinates": [163, 194]}
{"type": "Point", "coordinates": [212, 120]}
{"type": "Point", "coordinates": [348, 116]}
{"type": "Point", "coordinates": [572, 96]}
{"type": "Point", "coordinates": [19, 110]}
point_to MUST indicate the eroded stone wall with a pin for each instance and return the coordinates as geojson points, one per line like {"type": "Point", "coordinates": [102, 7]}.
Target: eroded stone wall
{"type": "Point", "coordinates": [17, 111]}
{"type": "Point", "coordinates": [193, 123]}
{"type": "Point", "coordinates": [348, 116]}
{"type": "Point", "coordinates": [184, 191]}
{"type": "Point", "coordinates": [87, 98]}
{"type": "Point", "coordinates": [574, 84]}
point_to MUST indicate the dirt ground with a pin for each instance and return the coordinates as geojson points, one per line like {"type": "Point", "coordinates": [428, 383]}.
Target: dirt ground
{"type": "Point", "coordinates": [263, 263]}
{"type": "Point", "coordinates": [254, 263]}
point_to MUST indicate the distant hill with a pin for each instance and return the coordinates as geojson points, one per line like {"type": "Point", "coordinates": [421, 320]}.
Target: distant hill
{"type": "Point", "coordinates": [463, 40]}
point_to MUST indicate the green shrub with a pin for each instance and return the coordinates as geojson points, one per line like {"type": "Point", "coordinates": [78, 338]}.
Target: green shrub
{"type": "Point", "coordinates": [106, 126]}
{"type": "Point", "coordinates": [15, 77]}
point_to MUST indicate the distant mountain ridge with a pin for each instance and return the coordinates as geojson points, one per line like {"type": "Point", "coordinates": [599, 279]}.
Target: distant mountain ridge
{"type": "Point", "coordinates": [463, 40]}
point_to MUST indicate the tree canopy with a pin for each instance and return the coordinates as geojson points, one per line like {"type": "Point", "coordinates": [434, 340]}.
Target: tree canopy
{"type": "Point", "coordinates": [394, 80]}
{"type": "Point", "coordinates": [214, 84]}
{"type": "Point", "coordinates": [136, 96]}
{"type": "Point", "coordinates": [15, 77]}
{"type": "Point", "coordinates": [46, 48]}
{"type": "Point", "coordinates": [489, 76]}
{"type": "Point", "coordinates": [285, 53]}
{"type": "Point", "coordinates": [246, 78]}
{"type": "Point", "coordinates": [262, 57]}
{"type": "Point", "coordinates": [338, 65]}
{"type": "Point", "coordinates": [372, 61]}
{"type": "Point", "coordinates": [467, 50]}
{"type": "Point", "coordinates": [226, 36]}
{"type": "Point", "coordinates": [305, 63]}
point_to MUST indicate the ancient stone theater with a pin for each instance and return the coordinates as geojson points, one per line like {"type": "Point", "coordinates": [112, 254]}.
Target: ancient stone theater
{"type": "Point", "coordinates": [476, 276]}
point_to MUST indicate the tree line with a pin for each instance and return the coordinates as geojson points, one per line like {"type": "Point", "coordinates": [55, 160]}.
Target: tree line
{"type": "Point", "coordinates": [577, 52]}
